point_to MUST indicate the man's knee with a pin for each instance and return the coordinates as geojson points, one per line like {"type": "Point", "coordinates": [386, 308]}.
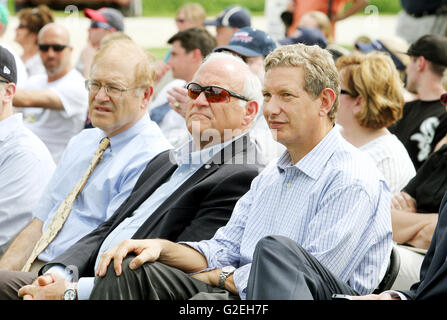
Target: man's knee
{"type": "Point", "coordinates": [275, 243]}
{"type": "Point", "coordinates": [12, 281]}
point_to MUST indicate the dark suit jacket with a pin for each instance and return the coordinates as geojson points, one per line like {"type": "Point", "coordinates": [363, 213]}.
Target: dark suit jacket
{"type": "Point", "coordinates": [433, 280]}
{"type": "Point", "coordinates": [193, 212]}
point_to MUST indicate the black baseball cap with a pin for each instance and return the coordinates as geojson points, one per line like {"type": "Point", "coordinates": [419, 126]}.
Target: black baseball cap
{"type": "Point", "coordinates": [249, 42]}
{"type": "Point", "coordinates": [432, 47]}
{"type": "Point", "coordinates": [8, 69]}
{"type": "Point", "coordinates": [307, 36]}
{"type": "Point", "coordinates": [110, 16]}
{"type": "Point", "coordinates": [232, 16]}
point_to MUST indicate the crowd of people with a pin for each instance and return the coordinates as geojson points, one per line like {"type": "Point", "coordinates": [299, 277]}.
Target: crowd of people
{"type": "Point", "coordinates": [238, 167]}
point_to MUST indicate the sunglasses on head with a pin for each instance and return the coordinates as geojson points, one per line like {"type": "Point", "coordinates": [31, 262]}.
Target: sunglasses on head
{"type": "Point", "coordinates": [212, 93]}
{"type": "Point", "coordinates": [55, 47]}
{"type": "Point", "coordinates": [98, 24]}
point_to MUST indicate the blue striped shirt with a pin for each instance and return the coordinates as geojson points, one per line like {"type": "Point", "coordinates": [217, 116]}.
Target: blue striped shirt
{"type": "Point", "coordinates": [333, 202]}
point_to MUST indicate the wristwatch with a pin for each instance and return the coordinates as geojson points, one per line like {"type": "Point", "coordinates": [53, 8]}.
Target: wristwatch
{"type": "Point", "coordinates": [225, 272]}
{"type": "Point", "coordinates": [70, 293]}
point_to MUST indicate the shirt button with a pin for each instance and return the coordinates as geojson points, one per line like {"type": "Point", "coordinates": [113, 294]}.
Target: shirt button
{"type": "Point", "coordinates": [207, 166]}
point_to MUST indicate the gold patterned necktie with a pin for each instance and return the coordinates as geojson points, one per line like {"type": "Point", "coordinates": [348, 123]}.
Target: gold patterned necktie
{"type": "Point", "coordinates": [64, 209]}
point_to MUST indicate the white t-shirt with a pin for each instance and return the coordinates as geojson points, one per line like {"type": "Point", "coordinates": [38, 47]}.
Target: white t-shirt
{"type": "Point", "coordinates": [56, 127]}
{"type": "Point", "coordinates": [22, 75]}
{"type": "Point", "coordinates": [34, 65]}
{"type": "Point", "coordinates": [392, 159]}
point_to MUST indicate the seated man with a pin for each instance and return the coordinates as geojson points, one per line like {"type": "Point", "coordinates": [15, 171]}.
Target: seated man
{"type": "Point", "coordinates": [54, 104]}
{"type": "Point", "coordinates": [323, 194]}
{"type": "Point", "coordinates": [25, 162]}
{"type": "Point", "coordinates": [120, 88]}
{"type": "Point", "coordinates": [433, 282]}
{"type": "Point", "coordinates": [185, 195]}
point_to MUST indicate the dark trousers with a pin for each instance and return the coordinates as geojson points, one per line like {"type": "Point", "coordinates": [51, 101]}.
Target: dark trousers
{"type": "Point", "coordinates": [12, 281]}
{"type": "Point", "coordinates": [154, 281]}
{"type": "Point", "coordinates": [283, 270]}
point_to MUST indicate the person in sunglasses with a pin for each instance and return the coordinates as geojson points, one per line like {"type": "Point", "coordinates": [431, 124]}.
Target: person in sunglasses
{"type": "Point", "coordinates": [103, 22]}
{"type": "Point", "coordinates": [184, 194]}
{"type": "Point", "coordinates": [322, 197]}
{"type": "Point", "coordinates": [54, 104]}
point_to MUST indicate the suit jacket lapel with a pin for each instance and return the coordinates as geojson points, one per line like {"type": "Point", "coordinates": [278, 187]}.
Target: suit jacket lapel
{"type": "Point", "coordinates": [226, 155]}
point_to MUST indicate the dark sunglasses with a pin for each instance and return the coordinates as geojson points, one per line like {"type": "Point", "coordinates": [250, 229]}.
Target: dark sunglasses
{"type": "Point", "coordinates": [22, 26]}
{"type": "Point", "coordinates": [98, 24]}
{"type": "Point", "coordinates": [55, 47]}
{"type": "Point", "coordinates": [347, 92]}
{"type": "Point", "coordinates": [213, 94]}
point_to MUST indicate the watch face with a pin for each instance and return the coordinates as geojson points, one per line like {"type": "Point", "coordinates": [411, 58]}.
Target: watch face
{"type": "Point", "coordinates": [70, 294]}
{"type": "Point", "coordinates": [228, 269]}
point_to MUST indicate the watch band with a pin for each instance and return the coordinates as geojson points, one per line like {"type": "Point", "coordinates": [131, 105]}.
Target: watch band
{"type": "Point", "coordinates": [71, 293]}
{"type": "Point", "coordinates": [225, 272]}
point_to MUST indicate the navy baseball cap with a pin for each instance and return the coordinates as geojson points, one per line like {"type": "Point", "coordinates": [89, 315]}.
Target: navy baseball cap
{"type": "Point", "coordinates": [110, 16]}
{"type": "Point", "coordinates": [249, 42]}
{"type": "Point", "coordinates": [377, 45]}
{"type": "Point", "coordinates": [307, 36]}
{"type": "Point", "coordinates": [8, 69]}
{"type": "Point", "coordinates": [233, 16]}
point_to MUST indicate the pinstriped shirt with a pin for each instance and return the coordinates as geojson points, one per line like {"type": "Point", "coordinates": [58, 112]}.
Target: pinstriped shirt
{"type": "Point", "coordinates": [333, 202]}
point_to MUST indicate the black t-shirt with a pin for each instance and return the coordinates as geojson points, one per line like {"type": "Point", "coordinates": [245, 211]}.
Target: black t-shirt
{"type": "Point", "coordinates": [420, 6]}
{"type": "Point", "coordinates": [430, 183]}
{"type": "Point", "coordinates": [416, 129]}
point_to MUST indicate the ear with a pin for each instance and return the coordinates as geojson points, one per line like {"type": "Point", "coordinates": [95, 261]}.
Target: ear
{"type": "Point", "coordinates": [327, 99]}
{"type": "Point", "coordinates": [357, 105]}
{"type": "Point", "coordinates": [421, 63]}
{"type": "Point", "coordinates": [10, 90]}
{"type": "Point", "coordinates": [197, 55]}
{"type": "Point", "coordinates": [147, 96]}
{"type": "Point", "coordinates": [251, 110]}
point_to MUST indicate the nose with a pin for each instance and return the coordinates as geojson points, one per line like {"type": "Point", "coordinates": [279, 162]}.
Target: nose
{"type": "Point", "coordinates": [101, 95]}
{"type": "Point", "coordinates": [272, 107]}
{"type": "Point", "coordinates": [201, 100]}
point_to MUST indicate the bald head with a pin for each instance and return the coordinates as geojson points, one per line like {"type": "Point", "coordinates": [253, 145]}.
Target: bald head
{"type": "Point", "coordinates": [54, 29]}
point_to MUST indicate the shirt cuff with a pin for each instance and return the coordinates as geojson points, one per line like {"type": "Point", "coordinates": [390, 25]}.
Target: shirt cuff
{"type": "Point", "coordinates": [60, 271]}
{"type": "Point", "coordinates": [85, 287]}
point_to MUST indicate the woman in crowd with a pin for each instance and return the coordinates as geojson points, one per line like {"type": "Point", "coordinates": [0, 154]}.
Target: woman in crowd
{"type": "Point", "coordinates": [31, 20]}
{"type": "Point", "coordinates": [370, 100]}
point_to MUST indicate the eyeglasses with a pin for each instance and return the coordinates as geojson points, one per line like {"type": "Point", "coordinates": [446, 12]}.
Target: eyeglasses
{"type": "Point", "coordinates": [98, 24]}
{"type": "Point", "coordinates": [93, 87]}
{"type": "Point", "coordinates": [213, 94]}
{"type": "Point", "coordinates": [55, 47]}
{"type": "Point", "coordinates": [347, 92]}
{"type": "Point", "coordinates": [22, 26]}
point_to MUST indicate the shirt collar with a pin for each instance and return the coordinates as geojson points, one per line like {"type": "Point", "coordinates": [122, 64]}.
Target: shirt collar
{"type": "Point", "coordinates": [313, 163]}
{"type": "Point", "coordinates": [185, 154]}
{"type": "Point", "coordinates": [9, 125]}
{"type": "Point", "coordinates": [122, 138]}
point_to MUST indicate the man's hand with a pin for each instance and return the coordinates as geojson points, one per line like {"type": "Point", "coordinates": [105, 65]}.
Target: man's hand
{"type": "Point", "coordinates": [46, 287]}
{"type": "Point", "coordinates": [178, 99]}
{"type": "Point", "coordinates": [146, 250]}
{"type": "Point", "coordinates": [423, 237]}
{"type": "Point", "coordinates": [161, 68]}
{"type": "Point", "coordinates": [403, 201]}
{"type": "Point", "coordinates": [382, 296]}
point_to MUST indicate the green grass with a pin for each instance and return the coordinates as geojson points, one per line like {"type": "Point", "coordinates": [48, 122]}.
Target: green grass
{"type": "Point", "coordinates": [213, 7]}
{"type": "Point", "coordinates": [159, 53]}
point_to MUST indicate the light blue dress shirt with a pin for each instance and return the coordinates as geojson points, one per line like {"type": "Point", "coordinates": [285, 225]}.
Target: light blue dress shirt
{"type": "Point", "coordinates": [26, 166]}
{"type": "Point", "coordinates": [188, 162]}
{"type": "Point", "coordinates": [333, 202]}
{"type": "Point", "coordinates": [107, 187]}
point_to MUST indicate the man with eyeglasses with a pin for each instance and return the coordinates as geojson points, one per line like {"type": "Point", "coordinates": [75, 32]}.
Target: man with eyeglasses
{"type": "Point", "coordinates": [103, 22]}
{"type": "Point", "coordinates": [185, 194]}
{"type": "Point", "coordinates": [54, 104]}
{"type": "Point", "coordinates": [120, 87]}
{"type": "Point", "coordinates": [25, 162]}
{"type": "Point", "coordinates": [322, 203]}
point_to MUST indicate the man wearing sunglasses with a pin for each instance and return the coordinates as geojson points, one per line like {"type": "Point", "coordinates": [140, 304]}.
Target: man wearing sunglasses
{"type": "Point", "coordinates": [323, 197]}
{"type": "Point", "coordinates": [54, 104]}
{"type": "Point", "coordinates": [103, 22]}
{"type": "Point", "coordinates": [183, 195]}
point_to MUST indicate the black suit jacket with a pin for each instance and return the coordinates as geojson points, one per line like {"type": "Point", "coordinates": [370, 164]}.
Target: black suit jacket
{"type": "Point", "coordinates": [433, 277]}
{"type": "Point", "coordinates": [193, 212]}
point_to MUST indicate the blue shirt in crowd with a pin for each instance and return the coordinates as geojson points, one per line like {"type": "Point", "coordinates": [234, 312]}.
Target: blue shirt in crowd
{"type": "Point", "coordinates": [108, 186]}
{"type": "Point", "coordinates": [333, 202]}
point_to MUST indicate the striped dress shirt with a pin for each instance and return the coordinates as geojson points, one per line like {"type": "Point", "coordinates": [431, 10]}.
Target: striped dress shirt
{"type": "Point", "coordinates": [333, 202]}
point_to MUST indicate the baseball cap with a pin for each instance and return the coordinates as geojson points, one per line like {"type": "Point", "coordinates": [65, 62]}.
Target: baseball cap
{"type": "Point", "coordinates": [307, 36]}
{"type": "Point", "coordinates": [4, 14]}
{"type": "Point", "coordinates": [432, 47]}
{"type": "Point", "coordinates": [233, 16]}
{"type": "Point", "coordinates": [111, 16]}
{"type": "Point", "coordinates": [377, 45]}
{"type": "Point", "coordinates": [250, 42]}
{"type": "Point", "coordinates": [8, 69]}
